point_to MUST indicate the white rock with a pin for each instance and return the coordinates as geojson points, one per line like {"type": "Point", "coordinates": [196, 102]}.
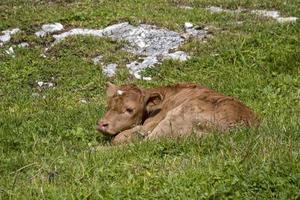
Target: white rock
{"type": "Point", "coordinates": [83, 101]}
{"type": "Point", "coordinates": [5, 38]}
{"type": "Point", "coordinates": [196, 33]}
{"type": "Point", "coordinates": [110, 69]}
{"type": "Point", "coordinates": [215, 9]}
{"type": "Point", "coordinates": [7, 34]}
{"type": "Point", "coordinates": [11, 31]}
{"type": "Point", "coordinates": [23, 45]}
{"type": "Point", "coordinates": [186, 7]}
{"type": "Point", "coordinates": [97, 59]}
{"type": "Point", "coordinates": [40, 33]}
{"type": "Point", "coordinates": [45, 84]}
{"type": "Point", "coordinates": [147, 78]}
{"type": "Point", "coordinates": [188, 25]}
{"type": "Point", "coordinates": [40, 83]}
{"type": "Point", "coordinates": [136, 67]}
{"type": "Point", "coordinates": [35, 94]}
{"type": "Point", "coordinates": [266, 13]}
{"type": "Point", "coordinates": [77, 31]}
{"type": "Point", "coordinates": [275, 15]}
{"type": "Point", "coordinates": [138, 76]}
{"type": "Point", "coordinates": [287, 19]}
{"type": "Point", "coordinates": [145, 40]}
{"type": "Point", "coordinates": [10, 51]}
{"type": "Point", "coordinates": [49, 28]}
{"type": "Point", "coordinates": [178, 55]}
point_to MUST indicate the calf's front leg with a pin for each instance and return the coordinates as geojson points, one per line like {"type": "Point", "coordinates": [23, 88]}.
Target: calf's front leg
{"type": "Point", "coordinates": [129, 135]}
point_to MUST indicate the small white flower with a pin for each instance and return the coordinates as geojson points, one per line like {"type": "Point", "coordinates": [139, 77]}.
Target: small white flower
{"type": "Point", "coordinates": [40, 83]}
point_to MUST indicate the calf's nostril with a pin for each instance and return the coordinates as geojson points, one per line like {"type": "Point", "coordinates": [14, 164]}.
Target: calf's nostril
{"type": "Point", "coordinates": [102, 126]}
{"type": "Point", "coordinates": [105, 125]}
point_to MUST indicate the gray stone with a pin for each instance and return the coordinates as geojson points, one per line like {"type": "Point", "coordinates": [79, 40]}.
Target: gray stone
{"type": "Point", "coordinates": [196, 33]}
{"type": "Point", "coordinates": [10, 51]}
{"type": "Point", "coordinates": [40, 83]}
{"type": "Point", "coordinates": [77, 31]}
{"type": "Point", "coordinates": [35, 95]}
{"type": "Point", "coordinates": [23, 45]}
{"type": "Point", "coordinates": [178, 55]}
{"type": "Point", "coordinates": [110, 69]}
{"type": "Point", "coordinates": [274, 15]}
{"type": "Point", "coordinates": [83, 101]}
{"type": "Point", "coordinates": [148, 41]}
{"type": "Point", "coordinates": [186, 7]}
{"type": "Point", "coordinates": [188, 25]}
{"type": "Point", "coordinates": [144, 39]}
{"type": "Point", "coordinates": [136, 67]}
{"type": "Point", "coordinates": [215, 9]}
{"type": "Point", "coordinates": [97, 60]}
{"type": "Point", "coordinates": [45, 84]}
{"type": "Point", "coordinates": [40, 33]}
{"type": "Point", "coordinates": [49, 28]}
{"type": "Point", "coordinates": [263, 13]}
{"type": "Point", "coordinates": [7, 34]}
{"type": "Point", "coordinates": [266, 13]}
{"type": "Point", "coordinates": [287, 19]}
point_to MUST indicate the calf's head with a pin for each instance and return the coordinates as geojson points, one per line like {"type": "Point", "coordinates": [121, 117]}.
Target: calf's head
{"type": "Point", "coordinates": [127, 106]}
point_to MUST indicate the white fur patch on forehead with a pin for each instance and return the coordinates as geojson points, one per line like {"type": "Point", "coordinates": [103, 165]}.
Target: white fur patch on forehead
{"type": "Point", "coordinates": [120, 92]}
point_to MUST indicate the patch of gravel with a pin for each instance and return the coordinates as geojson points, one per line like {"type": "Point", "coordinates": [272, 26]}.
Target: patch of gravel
{"type": "Point", "coordinates": [151, 43]}
{"type": "Point", "coordinates": [148, 41]}
{"type": "Point", "coordinates": [143, 40]}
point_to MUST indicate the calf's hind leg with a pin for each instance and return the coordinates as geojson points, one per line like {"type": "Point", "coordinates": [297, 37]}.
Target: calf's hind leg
{"type": "Point", "coordinates": [181, 121]}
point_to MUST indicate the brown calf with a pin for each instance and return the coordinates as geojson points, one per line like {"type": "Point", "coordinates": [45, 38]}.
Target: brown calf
{"type": "Point", "coordinates": [170, 111]}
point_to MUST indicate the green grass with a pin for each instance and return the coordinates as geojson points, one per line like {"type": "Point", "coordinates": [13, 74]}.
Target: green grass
{"type": "Point", "coordinates": [49, 148]}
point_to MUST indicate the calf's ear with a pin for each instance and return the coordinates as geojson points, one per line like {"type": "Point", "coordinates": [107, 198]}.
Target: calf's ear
{"type": "Point", "coordinates": [153, 101]}
{"type": "Point", "coordinates": [111, 89]}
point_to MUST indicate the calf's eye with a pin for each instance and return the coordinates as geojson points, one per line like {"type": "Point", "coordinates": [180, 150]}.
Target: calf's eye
{"type": "Point", "coordinates": [129, 110]}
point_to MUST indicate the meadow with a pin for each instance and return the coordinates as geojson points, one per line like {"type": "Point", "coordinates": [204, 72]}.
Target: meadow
{"type": "Point", "coordinates": [50, 149]}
